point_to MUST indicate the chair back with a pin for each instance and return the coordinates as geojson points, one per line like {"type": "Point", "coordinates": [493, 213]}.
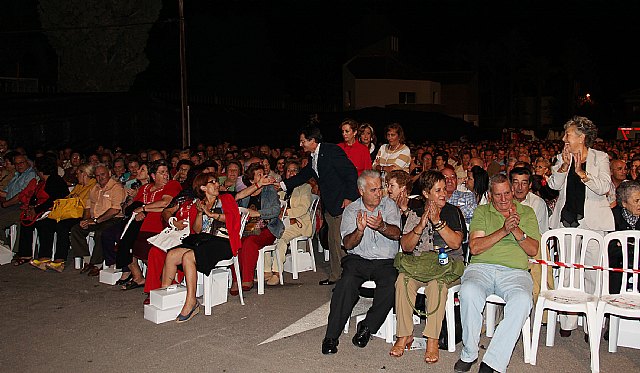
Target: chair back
{"type": "Point", "coordinates": [315, 200]}
{"type": "Point", "coordinates": [628, 243]}
{"type": "Point", "coordinates": [244, 217]}
{"type": "Point", "coordinates": [571, 244]}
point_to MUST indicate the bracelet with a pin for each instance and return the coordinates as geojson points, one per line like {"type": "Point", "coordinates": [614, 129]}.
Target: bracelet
{"type": "Point", "coordinates": [384, 227]}
{"type": "Point", "coordinates": [414, 232]}
{"type": "Point", "coordinates": [440, 227]}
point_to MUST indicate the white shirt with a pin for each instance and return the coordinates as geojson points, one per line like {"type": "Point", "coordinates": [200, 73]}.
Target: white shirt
{"type": "Point", "coordinates": [540, 208]}
{"type": "Point", "coordinates": [314, 159]}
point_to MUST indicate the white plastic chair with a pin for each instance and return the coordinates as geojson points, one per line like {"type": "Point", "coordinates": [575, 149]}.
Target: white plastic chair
{"type": "Point", "coordinates": [271, 248]}
{"type": "Point", "coordinates": [490, 310]}
{"type": "Point", "coordinates": [293, 244]}
{"type": "Point", "coordinates": [208, 279]}
{"type": "Point", "coordinates": [387, 329]}
{"type": "Point", "coordinates": [627, 303]}
{"type": "Point", "coordinates": [569, 297]}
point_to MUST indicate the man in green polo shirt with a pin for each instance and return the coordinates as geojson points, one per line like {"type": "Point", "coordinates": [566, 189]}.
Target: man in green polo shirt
{"type": "Point", "coordinates": [504, 233]}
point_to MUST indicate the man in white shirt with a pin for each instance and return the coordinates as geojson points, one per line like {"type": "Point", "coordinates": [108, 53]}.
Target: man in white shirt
{"type": "Point", "coordinates": [520, 178]}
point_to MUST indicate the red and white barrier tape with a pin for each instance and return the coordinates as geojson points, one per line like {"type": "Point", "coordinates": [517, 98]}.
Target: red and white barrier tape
{"type": "Point", "coordinates": [579, 266]}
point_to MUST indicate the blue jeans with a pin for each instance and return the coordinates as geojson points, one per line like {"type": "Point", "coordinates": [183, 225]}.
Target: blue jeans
{"type": "Point", "coordinates": [515, 286]}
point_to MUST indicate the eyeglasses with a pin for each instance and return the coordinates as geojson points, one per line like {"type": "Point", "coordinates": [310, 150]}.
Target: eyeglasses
{"type": "Point", "coordinates": [212, 181]}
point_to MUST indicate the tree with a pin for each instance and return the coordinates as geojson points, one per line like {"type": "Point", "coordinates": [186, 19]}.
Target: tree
{"type": "Point", "coordinates": [100, 43]}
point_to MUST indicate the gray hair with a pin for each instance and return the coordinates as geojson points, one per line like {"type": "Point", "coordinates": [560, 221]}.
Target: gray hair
{"type": "Point", "coordinates": [625, 189]}
{"type": "Point", "coordinates": [362, 179]}
{"type": "Point", "coordinates": [585, 127]}
{"type": "Point", "coordinates": [498, 179]}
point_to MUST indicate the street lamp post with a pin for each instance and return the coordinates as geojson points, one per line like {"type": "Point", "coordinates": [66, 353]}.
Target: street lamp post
{"type": "Point", "coordinates": [184, 118]}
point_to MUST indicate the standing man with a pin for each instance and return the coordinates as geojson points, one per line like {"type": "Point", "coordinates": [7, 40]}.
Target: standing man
{"type": "Point", "coordinates": [370, 232]}
{"type": "Point", "coordinates": [504, 233]}
{"type": "Point", "coordinates": [336, 177]}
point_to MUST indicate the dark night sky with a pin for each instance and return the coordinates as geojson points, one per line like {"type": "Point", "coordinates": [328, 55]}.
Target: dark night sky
{"type": "Point", "coordinates": [297, 47]}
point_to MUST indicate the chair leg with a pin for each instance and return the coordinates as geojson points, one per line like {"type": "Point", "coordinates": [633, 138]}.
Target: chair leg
{"type": "Point", "coordinates": [260, 270]}
{"type": "Point", "coordinates": [279, 264]}
{"type": "Point", "coordinates": [594, 337]}
{"type": "Point", "coordinates": [526, 340]}
{"type": "Point", "coordinates": [207, 294]}
{"type": "Point", "coordinates": [552, 321]}
{"type": "Point", "coordinates": [614, 329]}
{"type": "Point", "coordinates": [313, 258]}
{"type": "Point", "coordinates": [326, 255]}
{"type": "Point", "coordinates": [293, 247]}
{"type": "Point", "coordinates": [537, 325]}
{"type": "Point", "coordinates": [490, 317]}
{"type": "Point", "coordinates": [451, 322]}
{"type": "Point", "coordinates": [346, 326]}
{"type": "Point", "coordinates": [236, 265]}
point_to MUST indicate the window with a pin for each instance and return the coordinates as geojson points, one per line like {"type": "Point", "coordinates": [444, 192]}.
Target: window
{"type": "Point", "coordinates": [407, 97]}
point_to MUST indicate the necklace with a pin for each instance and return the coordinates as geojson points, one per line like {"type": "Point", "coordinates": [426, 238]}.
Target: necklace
{"type": "Point", "coordinates": [393, 148]}
{"type": "Point", "coordinates": [148, 196]}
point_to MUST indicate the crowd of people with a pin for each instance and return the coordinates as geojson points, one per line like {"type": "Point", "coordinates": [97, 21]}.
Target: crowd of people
{"type": "Point", "coordinates": [487, 203]}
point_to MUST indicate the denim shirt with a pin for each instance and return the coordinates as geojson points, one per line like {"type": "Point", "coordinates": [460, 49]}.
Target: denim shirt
{"type": "Point", "coordinates": [269, 210]}
{"type": "Point", "coordinates": [19, 182]}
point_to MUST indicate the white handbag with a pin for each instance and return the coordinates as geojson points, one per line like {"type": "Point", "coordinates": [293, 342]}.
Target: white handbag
{"type": "Point", "coordinates": [170, 237]}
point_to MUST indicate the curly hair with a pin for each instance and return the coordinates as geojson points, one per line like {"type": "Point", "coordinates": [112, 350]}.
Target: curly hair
{"type": "Point", "coordinates": [585, 127]}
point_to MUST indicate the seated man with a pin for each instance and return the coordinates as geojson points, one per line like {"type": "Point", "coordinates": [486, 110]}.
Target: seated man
{"type": "Point", "coordinates": [370, 231]}
{"type": "Point", "coordinates": [504, 233]}
{"type": "Point", "coordinates": [103, 210]}
{"type": "Point", "coordinates": [10, 205]}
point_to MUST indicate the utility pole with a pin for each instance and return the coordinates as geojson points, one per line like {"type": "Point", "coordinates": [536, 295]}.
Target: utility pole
{"type": "Point", "coordinates": [184, 117]}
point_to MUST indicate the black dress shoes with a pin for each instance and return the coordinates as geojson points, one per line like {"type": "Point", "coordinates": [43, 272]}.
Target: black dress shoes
{"type": "Point", "coordinates": [463, 366]}
{"type": "Point", "coordinates": [326, 282]}
{"type": "Point", "coordinates": [484, 368]}
{"type": "Point", "coordinates": [363, 335]}
{"type": "Point", "coordinates": [329, 346]}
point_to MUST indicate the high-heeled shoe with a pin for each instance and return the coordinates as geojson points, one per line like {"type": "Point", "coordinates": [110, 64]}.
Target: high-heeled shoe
{"type": "Point", "coordinates": [41, 264]}
{"type": "Point", "coordinates": [402, 343]}
{"type": "Point", "coordinates": [432, 354]}
{"type": "Point", "coordinates": [124, 281]}
{"type": "Point", "coordinates": [246, 286]}
{"type": "Point", "coordinates": [56, 266]}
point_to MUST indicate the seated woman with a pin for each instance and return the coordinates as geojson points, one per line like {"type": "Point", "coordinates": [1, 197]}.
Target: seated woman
{"type": "Point", "coordinates": [217, 237]}
{"type": "Point", "coordinates": [298, 204]}
{"type": "Point", "coordinates": [263, 227]}
{"type": "Point", "coordinates": [626, 215]}
{"type": "Point", "coordinates": [439, 226]}
{"type": "Point", "coordinates": [48, 227]}
{"type": "Point", "coordinates": [36, 199]}
{"type": "Point", "coordinates": [155, 196]}
{"type": "Point", "coordinates": [478, 183]}
{"type": "Point", "coordinates": [398, 186]}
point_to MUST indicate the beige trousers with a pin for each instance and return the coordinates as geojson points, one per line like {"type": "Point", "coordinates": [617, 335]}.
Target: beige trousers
{"type": "Point", "coordinates": [404, 311]}
{"type": "Point", "coordinates": [291, 232]}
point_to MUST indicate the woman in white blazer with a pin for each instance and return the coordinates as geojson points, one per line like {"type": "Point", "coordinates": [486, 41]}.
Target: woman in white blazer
{"type": "Point", "coordinates": [582, 174]}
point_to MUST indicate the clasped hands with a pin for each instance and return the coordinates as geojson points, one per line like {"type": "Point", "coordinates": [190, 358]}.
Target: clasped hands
{"type": "Point", "coordinates": [511, 222]}
{"type": "Point", "coordinates": [374, 222]}
{"type": "Point", "coordinates": [577, 161]}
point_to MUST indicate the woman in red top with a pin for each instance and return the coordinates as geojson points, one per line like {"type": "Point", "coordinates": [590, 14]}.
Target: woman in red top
{"type": "Point", "coordinates": [357, 153]}
{"type": "Point", "coordinates": [155, 196]}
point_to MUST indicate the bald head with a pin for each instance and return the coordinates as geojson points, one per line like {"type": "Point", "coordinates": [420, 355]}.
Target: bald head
{"type": "Point", "coordinates": [475, 161]}
{"type": "Point", "coordinates": [618, 171]}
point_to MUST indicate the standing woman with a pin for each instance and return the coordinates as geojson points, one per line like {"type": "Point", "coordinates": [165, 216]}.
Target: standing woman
{"type": "Point", "coordinates": [583, 174]}
{"type": "Point", "coordinates": [215, 237]}
{"type": "Point", "coordinates": [395, 155]}
{"type": "Point", "coordinates": [368, 138]}
{"type": "Point", "coordinates": [357, 153]}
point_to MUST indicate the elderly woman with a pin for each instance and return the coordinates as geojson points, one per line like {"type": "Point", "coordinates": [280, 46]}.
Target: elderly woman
{"type": "Point", "coordinates": [228, 183]}
{"type": "Point", "coordinates": [581, 174]}
{"type": "Point", "coordinates": [298, 204]}
{"type": "Point", "coordinates": [154, 197]}
{"type": "Point", "coordinates": [216, 237]}
{"type": "Point", "coordinates": [398, 184]}
{"type": "Point", "coordinates": [394, 155]}
{"type": "Point", "coordinates": [439, 226]}
{"type": "Point", "coordinates": [542, 167]}
{"type": "Point", "coordinates": [36, 199]}
{"type": "Point", "coordinates": [262, 228]}
{"type": "Point", "coordinates": [48, 227]}
{"type": "Point", "coordinates": [626, 215]}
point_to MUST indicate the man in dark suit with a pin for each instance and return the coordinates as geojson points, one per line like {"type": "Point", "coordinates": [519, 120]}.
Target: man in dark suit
{"type": "Point", "coordinates": [336, 177]}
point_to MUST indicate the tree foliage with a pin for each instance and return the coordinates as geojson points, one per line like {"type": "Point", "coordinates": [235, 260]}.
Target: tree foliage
{"type": "Point", "coordinates": [100, 43]}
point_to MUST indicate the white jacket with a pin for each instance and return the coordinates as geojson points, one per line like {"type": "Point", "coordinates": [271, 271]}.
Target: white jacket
{"type": "Point", "coordinates": [597, 212]}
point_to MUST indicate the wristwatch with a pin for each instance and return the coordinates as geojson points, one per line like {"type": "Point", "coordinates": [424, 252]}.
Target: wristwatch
{"type": "Point", "coordinates": [95, 220]}
{"type": "Point", "coordinates": [524, 237]}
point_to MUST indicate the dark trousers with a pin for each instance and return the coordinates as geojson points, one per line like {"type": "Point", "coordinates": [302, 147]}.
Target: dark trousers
{"type": "Point", "coordinates": [355, 271]}
{"type": "Point", "coordinates": [47, 228]}
{"type": "Point", "coordinates": [79, 239]}
{"type": "Point", "coordinates": [124, 257]}
{"type": "Point", "coordinates": [110, 238]}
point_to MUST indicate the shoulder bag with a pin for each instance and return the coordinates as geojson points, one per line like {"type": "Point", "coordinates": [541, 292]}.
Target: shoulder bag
{"type": "Point", "coordinates": [67, 208]}
{"type": "Point", "coordinates": [169, 237]}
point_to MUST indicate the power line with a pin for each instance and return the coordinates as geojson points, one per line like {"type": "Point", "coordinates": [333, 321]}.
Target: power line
{"type": "Point", "coordinates": [95, 27]}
